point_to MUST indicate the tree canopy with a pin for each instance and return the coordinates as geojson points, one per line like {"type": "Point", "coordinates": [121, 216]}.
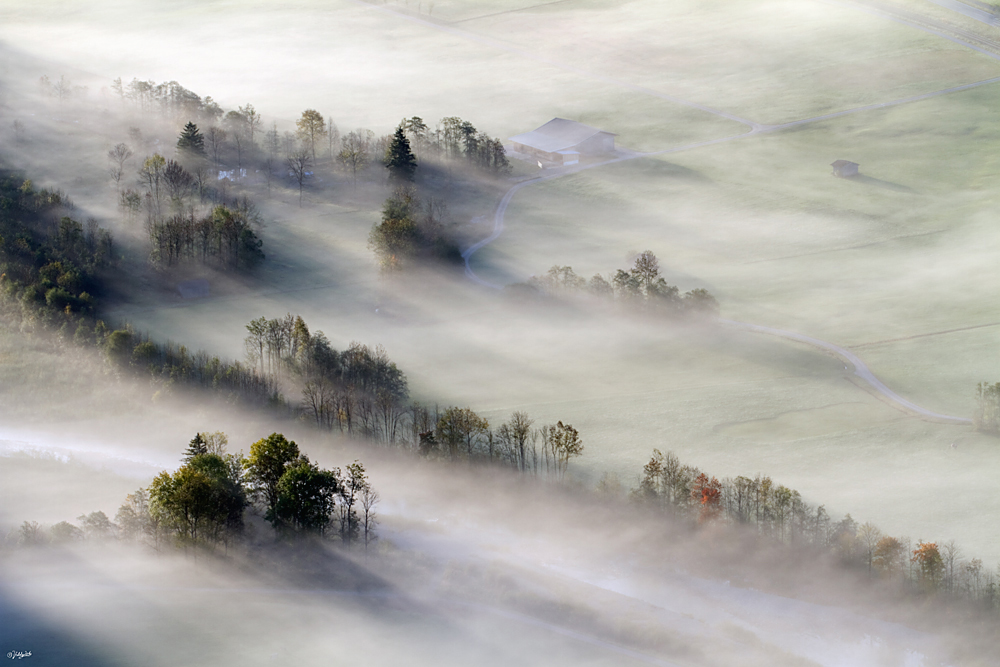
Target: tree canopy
{"type": "Point", "coordinates": [399, 159]}
{"type": "Point", "coordinates": [191, 140]}
{"type": "Point", "coordinates": [265, 466]}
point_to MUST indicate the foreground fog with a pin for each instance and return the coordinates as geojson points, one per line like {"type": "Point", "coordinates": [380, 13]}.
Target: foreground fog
{"type": "Point", "coordinates": [727, 118]}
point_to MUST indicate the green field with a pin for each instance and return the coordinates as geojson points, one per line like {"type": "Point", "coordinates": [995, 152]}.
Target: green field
{"type": "Point", "coordinates": [906, 249]}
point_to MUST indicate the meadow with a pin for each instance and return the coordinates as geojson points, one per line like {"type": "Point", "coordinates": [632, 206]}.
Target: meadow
{"type": "Point", "coordinates": [904, 250]}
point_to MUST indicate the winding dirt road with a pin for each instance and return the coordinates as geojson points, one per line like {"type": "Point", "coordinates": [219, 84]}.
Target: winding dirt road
{"type": "Point", "coordinates": [861, 370]}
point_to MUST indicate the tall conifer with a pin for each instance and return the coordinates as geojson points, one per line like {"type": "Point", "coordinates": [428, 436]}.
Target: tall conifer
{"type": "Point", "coordinates": [399, 159]}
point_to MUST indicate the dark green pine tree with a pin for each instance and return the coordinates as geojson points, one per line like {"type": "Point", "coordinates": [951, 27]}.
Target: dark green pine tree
{"type": "Point", "coordinates": [196, 447]}
{"type": "Point", "coordinates": [399, 159]}
{"type": "Point", "coordinates": [191, 140]}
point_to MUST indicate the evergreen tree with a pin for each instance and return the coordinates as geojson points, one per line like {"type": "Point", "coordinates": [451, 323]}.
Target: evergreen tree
{"type": "Point", "coordinates": [399, 159]}
{"type": "Point", "coordinates": [191, 140]}
{"type": "Point", "coordinates": [196, 447]}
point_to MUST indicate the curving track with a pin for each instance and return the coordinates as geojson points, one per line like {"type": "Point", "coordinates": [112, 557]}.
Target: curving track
{"type": "Point", "coordinates": [861, 370]}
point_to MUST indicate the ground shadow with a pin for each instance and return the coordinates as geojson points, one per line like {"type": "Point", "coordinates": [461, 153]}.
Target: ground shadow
{"type": "Point", "coordinates": [879, 183]}
{"type": "Point", "coordinates": [41, 641]}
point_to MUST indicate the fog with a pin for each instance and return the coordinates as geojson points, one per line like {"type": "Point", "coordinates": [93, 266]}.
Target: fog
{"type": "Point", "coordinates": [727, 116]}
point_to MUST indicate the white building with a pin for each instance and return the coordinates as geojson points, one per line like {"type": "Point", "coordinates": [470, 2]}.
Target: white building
{"type": "Point", "coordinates": [563, 142]}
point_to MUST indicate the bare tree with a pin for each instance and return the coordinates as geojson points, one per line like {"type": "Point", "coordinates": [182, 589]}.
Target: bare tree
{"type": "Point", "coordinates": [118, 156]}
{"type": "Point", "coordinates": [151, 176]}
{"type": "Point", "coordinates": [869, 536]}
{"type": "Point", "coordinates": [253, 121]}
{"type": "Point", "coordinates": [272, 140]}
{"type": "Point", "coordinates": [355, 152]}
{"type": "Point", "coordinates": [178, 182]}
{"type": "Point", "coordinates": [268, 165]}
{"type": "Point", "coordinates": [318, 397]}
{"type": "Point", "coordinates": [215, 138]}
{"type": "Point", "coordinates": [237, 123]}
{"type": "Point", "coordinates": [951, 554]}
{"type": "Point", "coordinates": [63, 88]}
{"type": "Point", "coordinates": [515, 435]}
{"type": "Point", "coordinates": [369, 498]}
{"type": "Point", "coordinates": [298, 164]}
{"type": "Point", "coordinates": [332, 136]}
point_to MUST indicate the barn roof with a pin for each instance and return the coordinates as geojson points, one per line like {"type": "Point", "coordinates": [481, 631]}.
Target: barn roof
{"type": "Point", "coordinates": [557, 135]}
{"type": "Point", "coordinates": [843, 163]}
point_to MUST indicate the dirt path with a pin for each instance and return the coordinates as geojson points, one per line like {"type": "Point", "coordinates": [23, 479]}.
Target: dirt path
{"type": "Point", "coordinates": [952, 33]}
{"type": "Point", "coordinates": [981, 15]}
{"type": "Point", "coordinates": [861, 370]}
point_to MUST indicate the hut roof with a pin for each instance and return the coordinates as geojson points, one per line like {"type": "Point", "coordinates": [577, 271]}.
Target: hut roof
{"type": "Point", "coordinates": [843, 163]}
{"type": "Point", "coordinates": [557, 135]}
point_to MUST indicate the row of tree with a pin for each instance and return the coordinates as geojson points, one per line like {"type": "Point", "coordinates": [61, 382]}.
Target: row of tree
{"type": "Point", "coordinates": [455, 139]}
{"type": "Point", "coordinates": [410, 230]}
{"type": "Point", "coordinates": [459, 433]}
{"type": "Point", "coordinates": [224, 238]}
{"type": "Point", "coordinates": [49, 262]}
{"type": "Point", "coordinates": [170, 99]}
{"type": "Point", "coordinates": [642, 285]}
{"type": "Point", "coordinates": [780, 513]}
{"type": "Point", "coordinates": [362, 393]}
{"type": "Point", "coordinates": [205, 501]}
{"type": "Point", "coordinates": [358, 391]}
{"type": "Point", "coordinates": [180, 228]}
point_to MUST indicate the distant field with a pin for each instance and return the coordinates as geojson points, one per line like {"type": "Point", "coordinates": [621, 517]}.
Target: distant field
{"type": "Point", "coordinates": [904, 250]}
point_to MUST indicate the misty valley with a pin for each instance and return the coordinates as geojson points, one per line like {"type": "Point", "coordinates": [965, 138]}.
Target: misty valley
{"type": "Point", "coordinates": [495, 332]}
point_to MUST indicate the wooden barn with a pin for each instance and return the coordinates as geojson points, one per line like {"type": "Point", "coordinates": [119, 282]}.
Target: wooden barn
{"type": "Point", "coordinates": [844, 168]}
{"type": "Point", "coordinates": [564, 142]}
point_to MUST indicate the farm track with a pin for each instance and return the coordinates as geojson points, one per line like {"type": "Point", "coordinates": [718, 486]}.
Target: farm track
{"type": "Point", "coordinates": [861, 370]}
{"type": "Point", "coordinates": [950, 31]}
{"type": "Point", "coordinates": [925, 24]}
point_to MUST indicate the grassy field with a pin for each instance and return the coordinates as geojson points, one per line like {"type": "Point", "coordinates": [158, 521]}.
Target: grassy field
{"type": "Point", "coordinates": [906, 249]}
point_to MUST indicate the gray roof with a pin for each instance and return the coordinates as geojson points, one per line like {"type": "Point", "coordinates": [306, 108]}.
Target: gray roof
{"type": "Point", "coordinates": [557, 135]}
{"type": "Point", "coordinates": [843, 163]}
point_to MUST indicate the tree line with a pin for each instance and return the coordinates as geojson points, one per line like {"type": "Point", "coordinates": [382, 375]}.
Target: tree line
{"type": "Point", "coordinates": [778, 513]}
{"type": "Point", "coordinates": [457, 140]}
{"type": "Point", "coordinates": [206, 501]}
{"type": "Point", "coordinates": [410, 231]}
{"type": "Point", "coordinates": [223, 237]}
{"type": "Point", "coordinates": [238, 137]}
{"type": "Point", "coordinates": [641, 286]}
{"type": "Point", "coordinates": [361, 393]}
{"type": "Point", "coordinates": [180, 226]}
{"type": "Point", "coordinates": [50, 264]}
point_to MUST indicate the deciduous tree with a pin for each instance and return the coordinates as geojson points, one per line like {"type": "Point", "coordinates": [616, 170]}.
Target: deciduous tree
{"type": "Point", "coordinates": [310, 128]}
{"type": "Point", "coordinates": [264, 467]}
{"type": "Point", "coordinates": [306, 496]}
{"type": "Point", "coordinates": [118, 156]}
{"type": "Point", "coordinates": [355, 152]}
{"type": "Point", "coordinates": [298, 165]}
{"type": "Point", "coordinates": [930, 565]}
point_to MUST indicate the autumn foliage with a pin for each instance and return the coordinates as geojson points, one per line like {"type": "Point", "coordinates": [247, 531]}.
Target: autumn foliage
{"type": "Point", "coordinates": [708, 495]}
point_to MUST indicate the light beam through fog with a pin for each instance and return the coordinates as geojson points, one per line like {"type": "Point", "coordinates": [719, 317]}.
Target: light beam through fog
{"type": "Point", "coordinates": [556, 470]}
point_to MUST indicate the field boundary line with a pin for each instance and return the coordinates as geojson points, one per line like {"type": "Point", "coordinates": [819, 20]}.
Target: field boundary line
{"type": "Point", "coordinates": [861, 369]}
{"type": "Point", "coordinates": [923, 335]}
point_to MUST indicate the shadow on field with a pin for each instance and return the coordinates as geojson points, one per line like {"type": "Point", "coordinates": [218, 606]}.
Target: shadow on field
{"type": "Point", "coordinates": [879, 183]}
{"type": "Point", "coordinates": [23, 631]}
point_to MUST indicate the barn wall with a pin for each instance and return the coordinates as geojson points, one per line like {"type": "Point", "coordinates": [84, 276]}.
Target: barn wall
{"type": "Point", "coordinates": [597, 144]}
